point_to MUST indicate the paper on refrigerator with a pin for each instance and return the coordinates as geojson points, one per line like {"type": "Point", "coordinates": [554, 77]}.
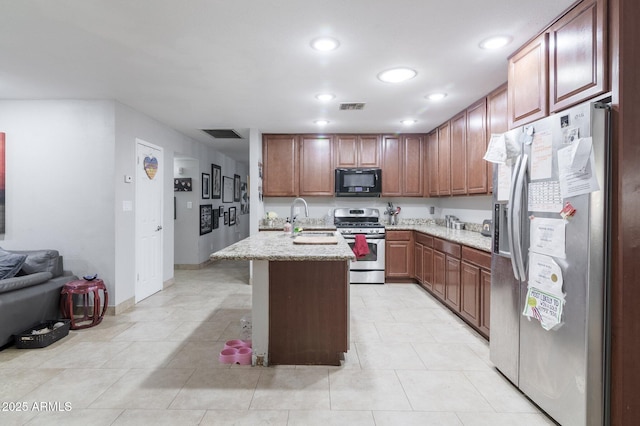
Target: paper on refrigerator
{"type": "Point", "coordinates": [576, 164]}
{"type": "Point", "coordinates": [541, 156]}
{"type": "Point", "coordinates": [547, 236]}
{"type": "Point", "coordinates": [545, 299]}
{"type": "Point", "coordinates": [502, 149]}
{"type": "Point", "coordinates": [504, 182]}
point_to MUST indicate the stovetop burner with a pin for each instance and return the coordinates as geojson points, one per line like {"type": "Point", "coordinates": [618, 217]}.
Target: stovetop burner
{"type": "Point", "coordinates": [359, 225]}
{"type": "Point", "coordinates": [358, 221]}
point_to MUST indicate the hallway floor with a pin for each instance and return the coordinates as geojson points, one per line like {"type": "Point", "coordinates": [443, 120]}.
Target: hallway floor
{"type": "Point", "coordinates": [411, 362]}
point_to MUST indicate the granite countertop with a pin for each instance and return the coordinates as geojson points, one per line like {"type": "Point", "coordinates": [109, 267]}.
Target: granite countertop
{"type": "Point", "coordinates": [428, 226]}
{"type": "Point", "coordinates": [279, 246]}
{"type": "Point", "coordinates": [468, 238]}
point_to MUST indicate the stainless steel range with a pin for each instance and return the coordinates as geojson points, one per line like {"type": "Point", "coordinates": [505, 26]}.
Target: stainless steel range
{"type": "Point", "coordinates": [351, 222]}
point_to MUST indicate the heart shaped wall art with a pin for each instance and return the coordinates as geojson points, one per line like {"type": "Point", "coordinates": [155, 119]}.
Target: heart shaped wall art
{"type": "Point", "coordinates": [150, 165]}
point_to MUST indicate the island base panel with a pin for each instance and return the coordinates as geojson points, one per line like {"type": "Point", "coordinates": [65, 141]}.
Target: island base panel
{"type": "Point", "coordinates": [308, 312]}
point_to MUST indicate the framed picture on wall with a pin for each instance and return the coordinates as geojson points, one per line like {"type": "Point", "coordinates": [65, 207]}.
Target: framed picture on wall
{"type": "Point", "coordinates": [236, 188]}
{"type": "Point", "coordinates": [227, 189]}
{"type": "Point", "coordinates": [220, 211]}
{"type": "Point", "coordinates": [206, 185]}
{"type": "Point", "coordinates": [216, 219]}
{"type": "Point", "coordinates": [216, 181]}
{"type": "Point", "coordinates": [206, 219]}
{"type": "Point", "coordinates": [226, 218]}
{"type": "Point", "coordinates": [244, 199]}
{"type": "Point", "coordinates": [232, 216]}
{"type": "Point", "coordinates": [182, 184]}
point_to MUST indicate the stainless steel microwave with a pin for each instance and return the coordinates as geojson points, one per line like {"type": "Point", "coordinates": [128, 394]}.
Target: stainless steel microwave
{"type": "Point", "coordinates": [358, 182]}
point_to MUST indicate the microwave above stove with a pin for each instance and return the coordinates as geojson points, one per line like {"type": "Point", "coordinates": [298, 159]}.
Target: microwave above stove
{"type": "Point", "coordinates": [358, 182]}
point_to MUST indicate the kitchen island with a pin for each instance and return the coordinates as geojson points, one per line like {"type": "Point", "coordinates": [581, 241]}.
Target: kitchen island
{"type": "Point", "coordinates": [300, 298]}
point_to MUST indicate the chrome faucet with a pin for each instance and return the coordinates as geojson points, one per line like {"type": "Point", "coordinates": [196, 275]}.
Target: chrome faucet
{"type": "Point", "coordinates": [293, 217]}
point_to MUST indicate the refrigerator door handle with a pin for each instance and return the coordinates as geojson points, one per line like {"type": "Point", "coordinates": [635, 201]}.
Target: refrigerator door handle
{"type": "Point", "coordinates": [519, 190]}
{"type": "Point", "coordinates": [510, 205]}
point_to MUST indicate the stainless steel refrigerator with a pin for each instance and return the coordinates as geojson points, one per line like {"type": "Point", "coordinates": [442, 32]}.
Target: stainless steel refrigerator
{"type": "Point", "coordinates": [563, 367]}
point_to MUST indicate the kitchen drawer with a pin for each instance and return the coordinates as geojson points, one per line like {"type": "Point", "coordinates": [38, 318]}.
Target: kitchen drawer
{"type": "Point", "coordinates": [398, 235]}
{"type": "Point", "coordinates": [448, 247]}
{"type": "Point", "coordinates": [424, 239]}
{"type": "Point", "coordinates": [478, 257]}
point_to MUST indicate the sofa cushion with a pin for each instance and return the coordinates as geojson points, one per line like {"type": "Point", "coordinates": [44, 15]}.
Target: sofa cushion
{"type": "Point", "coordinates": [10, 263]}
{"type": "Point", "coordinates": [16, 283]}
{"type": "Point", "coordinates": [41, 261]}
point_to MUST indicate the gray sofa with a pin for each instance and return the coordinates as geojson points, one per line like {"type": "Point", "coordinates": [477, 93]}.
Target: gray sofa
{"type": "Point", "coordinates": [32, 294]}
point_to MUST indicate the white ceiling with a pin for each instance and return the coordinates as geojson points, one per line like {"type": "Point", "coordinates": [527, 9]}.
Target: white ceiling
{"type": "Point", "coordinates": [244, 64]}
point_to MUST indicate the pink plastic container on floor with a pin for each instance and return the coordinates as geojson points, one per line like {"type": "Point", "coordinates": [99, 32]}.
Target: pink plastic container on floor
{"type": "Point", "coordinates": [244, 356]}
{"type": "Point", "coordinates": [228, 355]}
{"type": "Point", "coordinates": [236, 343]}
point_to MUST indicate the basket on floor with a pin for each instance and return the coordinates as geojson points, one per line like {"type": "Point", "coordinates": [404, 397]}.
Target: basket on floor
{"type": "Point", "coordinates": [28, 340]}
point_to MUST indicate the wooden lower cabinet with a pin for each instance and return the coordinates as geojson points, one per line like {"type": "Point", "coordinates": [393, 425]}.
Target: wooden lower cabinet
{"type": "Point", "coordinates": [485, 302]}
{"type": "Point", "coordinates": [427, 268]}
{"type": "Point", "coordinates": [439, 268]}
{"type": "Point", "coordinates": [470, 287]}
{"type": "Point", "coordinates": [475, 280]}
{"type": "Point", "coordinates": [399, 255]}
{"type": "Point", "coordinates": [452, 283]}
{"type": "Point", "coordinates": [418, 264]}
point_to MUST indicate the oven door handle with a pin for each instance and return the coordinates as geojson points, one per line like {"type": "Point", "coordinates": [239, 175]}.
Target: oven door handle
{"type": "Point", "coordinates": [367, 236]}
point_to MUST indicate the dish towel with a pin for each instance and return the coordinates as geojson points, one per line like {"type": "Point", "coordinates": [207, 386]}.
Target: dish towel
{"type": "Point", "coordinates": [360, 247]}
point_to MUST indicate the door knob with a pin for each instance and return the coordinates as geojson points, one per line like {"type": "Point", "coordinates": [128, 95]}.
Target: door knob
{"type": "Point", "coordinates": [159, 228]}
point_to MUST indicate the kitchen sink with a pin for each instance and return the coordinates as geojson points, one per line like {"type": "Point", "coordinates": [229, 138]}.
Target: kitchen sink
{"type": "Point", "coordinates": [315, 234]}
{"type": "Point", "coordinates": [309, 237]}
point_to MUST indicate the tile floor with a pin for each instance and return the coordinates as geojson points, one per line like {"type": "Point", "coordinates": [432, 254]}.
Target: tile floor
{"type": "Point", "coordinates": [411, 362]}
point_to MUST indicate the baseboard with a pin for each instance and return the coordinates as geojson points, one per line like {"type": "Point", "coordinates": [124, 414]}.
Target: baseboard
{"type": "Point", "coordinates": [168, 283]}
{"type": "Point", "coordinates": [192, 265]}
{"type": "Point", "coordinates": [122, 307]}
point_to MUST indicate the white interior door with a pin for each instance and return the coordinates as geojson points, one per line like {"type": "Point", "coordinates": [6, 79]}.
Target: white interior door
{"type": "Point", "coordinates": [149, 200]}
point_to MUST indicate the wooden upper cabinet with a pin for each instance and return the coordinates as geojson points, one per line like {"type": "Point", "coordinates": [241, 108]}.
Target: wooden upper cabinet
{"type": "Point", "coordinates": [431, 164]}
{"type": "Point", "coordinates": [459, 154]}
{"type": "Point", "coordinates": [369, 151]}
{"type": "Point", "coordinates": [476, 148]}
{"type": "Point", "coordinates": [346, 150]}
{"type": "Point", "coordinates": [402, 165]}
{"type": "Point", "coordinates": [577, 55]}
{"type": "Point", "coordinates": [280, 173]}
{"type": "Point", "coordinates": [412, 170]}
{"type": "Point", "coordinates": [497, 121]}
{"type": "Point", "coordinates": [316, 165]}
{"type": "Point", "coordinates": [391, 166]}
{"type": "Point", "coordinates": [358, 151]}
{"type": "Point", "coordinates": [444, 158]}
{"type": "Point", "coordinates": [528, 83]}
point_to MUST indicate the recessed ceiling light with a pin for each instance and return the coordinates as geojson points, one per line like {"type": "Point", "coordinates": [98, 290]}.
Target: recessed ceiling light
{"type": "Point", "coordinates": [495, 42]}
{"type": "Point", "coordinates": [321, 122]}
{"type": "Point", "coordinates": [325, 44]}
{"type": "Point", "coordinates": [324, 97]}
{"type": "Point", "coordinates": [409, 122]}
{"type": "Point", "coordinates": [436, 96]}
{"type": "Point", "coordinates": [397, 75]}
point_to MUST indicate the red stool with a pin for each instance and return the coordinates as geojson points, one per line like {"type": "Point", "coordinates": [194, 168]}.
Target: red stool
{"type": "Point", "coordinates": [84, 288]}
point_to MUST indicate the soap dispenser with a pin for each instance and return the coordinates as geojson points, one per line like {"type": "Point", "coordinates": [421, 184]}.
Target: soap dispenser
{"type": "Point", "coordinates": [287, 227]}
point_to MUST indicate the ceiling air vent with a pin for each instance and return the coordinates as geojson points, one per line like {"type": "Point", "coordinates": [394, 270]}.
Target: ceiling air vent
{"type": "Point", "coordinates": [222, 133]}
{"type": "Point", "coordinates": [352, 106]}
